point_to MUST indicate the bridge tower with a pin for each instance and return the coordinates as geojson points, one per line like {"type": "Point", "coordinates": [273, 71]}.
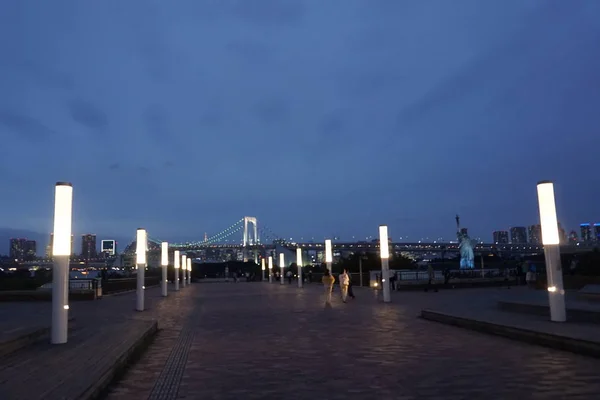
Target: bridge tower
{"type": "Point", "coordinates": [254, 241]}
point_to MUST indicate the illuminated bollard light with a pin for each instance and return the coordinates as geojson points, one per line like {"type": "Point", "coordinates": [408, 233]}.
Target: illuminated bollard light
{"type": "Point", "coordinates": [299, 264]}
{"type": "Point", "coordinates": [183, 268]}
{"type": "Point", "coordinates": [140, 262]}
{"type": "Point", "coordinates": [551, 242]}
{"type": "Point", "coordinates": [164, 263]}
{"type": "Point", "coordinates": [385, 266]}
{"type": "Point", "coordinates": [281, 267]}
{"type": "Point", "coordinates": [262, 267]}
{"type": "Point", "coordinates": [328, 254]}
{"type": "Point", "coordinates": [270, 269]}
{"type": "Point", "coordinates": [176, 259]}
{"type": "Point", "coordinates": [61, 250]}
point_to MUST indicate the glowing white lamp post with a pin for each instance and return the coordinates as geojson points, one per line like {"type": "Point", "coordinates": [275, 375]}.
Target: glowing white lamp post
{"type": "Point", "coordinates": [299, 264]}
{"type": "Point", "coordinates": [164, 263]}
{"type": "Point", "coordinates": [183, 268]}
{"type": "Point", "coordinates": [270, 269]}
{"type": "Point", "coordinates": [328, 254]}
{"type": "Point", "coordinates": [281, 267]}
{"type": "Point", "coordinates": [551, 241]}
{"type": "Point", "coordinates": [140, 262]}
{"type": "Point", "coordinates": [385, 266]}
{"type": "Point", "coordinates": [189, 271]}
{"type": "Point", "coordinates": [262, 267]}
{"type": "Point", "coordinates": [61, 250]}
{"type": "Point", "coordinates": [176, 269]}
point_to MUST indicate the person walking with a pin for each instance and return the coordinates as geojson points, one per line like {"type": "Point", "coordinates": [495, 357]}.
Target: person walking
{"type": "Point", "coordinates": [328, 281]}
{"type": "Point", "coordinates": [344, 282]}
{"type": "Point", "coordinates": [350, 291]}
{"type": "Point", "coordinates": [289, 276]}
{"type": "Point", "coordinates": [431, 275]}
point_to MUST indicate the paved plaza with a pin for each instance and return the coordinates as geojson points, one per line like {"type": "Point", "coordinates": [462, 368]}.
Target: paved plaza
{"type": "Point", "coordinates": [268, 341]}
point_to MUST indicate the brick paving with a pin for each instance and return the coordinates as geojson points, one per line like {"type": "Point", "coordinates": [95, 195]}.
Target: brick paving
{"type": "Point", "coordinates": [261, 341]}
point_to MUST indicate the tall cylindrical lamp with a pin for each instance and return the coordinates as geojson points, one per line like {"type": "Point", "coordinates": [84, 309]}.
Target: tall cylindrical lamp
{"type": "Point", "coordinates": [328, 254]}
{"type": "Point", "coordinates": [282, 267]}
{"type": "Point", "coordinates": [551, 242]}
{"type": "Point", "coordinates": [164, 263]}
{"type": "Point", "coordinates": [262, 267]}
{"type": "Point", "coordinates": [189, 270]}
{"type": "Point", "coordinates": [270, 269]}
{"type": "Point", "coordinates": [299, 264]}
{"type": "Point", "coordinates": [61, 250]}
{"type": "Point", "coordinates": [384, 252]}
{"type": "Point", "coordinates": [183, 269]}
{"type": "Point", "coordinates": [176, 259]}
{"type": "Point", "coordinates": [140, 262]}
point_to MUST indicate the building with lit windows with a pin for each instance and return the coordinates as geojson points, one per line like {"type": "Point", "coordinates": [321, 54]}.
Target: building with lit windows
{"type": "Point", "coordinates": [88, 246]}
{"type": "Point", "coordinates": [22, 249]}
{"type": "Point", "coordinates": [500, 237]}
{"type": "Point", "coordinates": [597, 231]}
{"type": "Point", "coordinates": [573, 238]}
{"type": "Point", "coordinates": [585, 232]}
{"type": "Point", "coordinates": [518, 235]}
{"type": "Point", "coordinates": [535, 234]}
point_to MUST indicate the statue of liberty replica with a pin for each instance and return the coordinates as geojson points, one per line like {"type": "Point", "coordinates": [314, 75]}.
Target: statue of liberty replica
{"type": "Point", "coordinates": [467, 258]}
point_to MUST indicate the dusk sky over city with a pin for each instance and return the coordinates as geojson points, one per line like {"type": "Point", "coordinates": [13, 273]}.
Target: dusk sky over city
{"type": "Point", "coordinates": [318, 117]}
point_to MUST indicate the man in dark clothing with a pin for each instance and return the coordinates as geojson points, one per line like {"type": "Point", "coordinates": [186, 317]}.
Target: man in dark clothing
{"type": "Point", "coordinates": [350, 292]}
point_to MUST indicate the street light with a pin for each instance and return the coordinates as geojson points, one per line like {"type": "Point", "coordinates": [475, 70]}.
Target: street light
{"type": "Point", "coordinates": [385, 266]}
{"type": "Point", "coordinates": [164, 263]}
{"type": "Point", "coordinates": [328, 254]}
{"type": "Point", "coordinates": [189, 270]}
{"type": "Point", "coordinates": [281, 266]}
{"type": "Point", "coordinates": [140, 262]}
{"type": "Point", "coordinates": [551, 241]}
{"type": "Point", "coordinates": [183, 268]}
{"type": "Point", "coordinates": [299, 264]}
{"type": "Point", "coordinates": [262, 267]}
{"type": "Point", "coordinates": [270, 269]}
{"type": "Point", "coordinates": [176, 269]}
{"type": "Point", "coordinates": [61, 250]}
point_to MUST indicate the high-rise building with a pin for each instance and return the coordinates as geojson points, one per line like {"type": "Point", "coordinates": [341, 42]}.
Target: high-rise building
{"type": "Point", "coordinates": [501, 237]}
{"type": "Point", "coordinates": [573, 238]}
{"type": "Point", "coordinates": [535, 234]}
{"type": "Point", "coordinates": [108, 247]}
{"type": "Point", "coordinates": [518, 235]}
{"type": "Point", "coordinates": [597, 231]}
{"type": "Point", "coordinates": [30, 250]}
{"type": "Point", "coordinates": [17, 248]}
{"type": "Point", "coordinates": [88, 246]}
{"type": "Point", "coordinates": [51, 242]}
{"type": "Point", "coordinates": [586, 232]}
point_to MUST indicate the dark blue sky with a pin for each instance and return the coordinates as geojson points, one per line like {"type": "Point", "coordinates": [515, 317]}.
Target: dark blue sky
{"type": "Point", "coordinates": [318, 117]}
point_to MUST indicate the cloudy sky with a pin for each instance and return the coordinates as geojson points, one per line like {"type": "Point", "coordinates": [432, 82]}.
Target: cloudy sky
{"type": "Point", "coordinates": [319, 117]}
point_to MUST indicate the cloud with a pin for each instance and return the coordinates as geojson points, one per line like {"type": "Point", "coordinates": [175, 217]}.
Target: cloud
{"type": "Point", "coordinates": [24, 125]}
{"type": "Point", "coordinates": [272, 110]}
{"type": "Point", "coordinates": [88, 115]}
{"type": "Point", "coordinates": [155, 119]}
{"type": "Point", "coordinates": [270, 12]}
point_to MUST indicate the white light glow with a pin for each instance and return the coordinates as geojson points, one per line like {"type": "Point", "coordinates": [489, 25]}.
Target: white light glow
{"type": "Point", "coordinates": [299, 257]}
{"type": "Point", "coordinates": [164, 254]}
{"type": "Point", "coordinates": [548, 218]}
{"type": "Point", "coordinates": [183, 261]}
{"type": "Point", "coordinates": [270, 262]}
{"type": "Point", "coordinates": [383, 242]}
{"type": "Point", "coordinates": [176, 259]}
{"type": "Point", "coordinates": [552, 289]}
{"type": "Point", "coordinates": [66, 306]}
{"type": "Point", "coordinates": [281, 260]}
{"type": "Point", "coordinates": [262, 264]}
{"type": "Point", "coordinates": [63, 213]}
{"type": "Point", "coordinates": [328, 251]}
{"type": "Point", "coordinates": [141, 246]}
{"type": "Point", "coordinates": [189, 264]}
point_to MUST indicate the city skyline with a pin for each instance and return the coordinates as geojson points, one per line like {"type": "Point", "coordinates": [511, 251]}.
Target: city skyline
{"type": "Point", "coordinates": [319, 119]}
